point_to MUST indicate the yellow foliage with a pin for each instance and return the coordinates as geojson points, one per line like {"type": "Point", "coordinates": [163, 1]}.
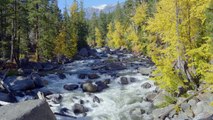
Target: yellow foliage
{"type": "Point", "coordinates": [175, 31]}
{"type": "Point", "coordinates": [60, 43]}
{"type": "Point", "coordinates": [98, 38]}
{"type": "Point", "coordinates": [140, 14]}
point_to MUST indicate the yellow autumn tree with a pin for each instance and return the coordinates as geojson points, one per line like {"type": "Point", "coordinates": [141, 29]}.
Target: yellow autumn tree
{"type": "Point", "coordinates": [136, 34]}
{"type": "Point", "coordinates": [179, 49]}
{"type": "Point", "coordinates": [110, 41]}
{"type": "Point", "coordinates": [60, 44]}
{"type": "Point", "coordinates": [98, 38]}
{"type": "Point", "coordinates": [118, 36]}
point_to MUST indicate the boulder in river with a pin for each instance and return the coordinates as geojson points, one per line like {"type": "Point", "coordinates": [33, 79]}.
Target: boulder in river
{"type": "Point", "coordinates": [39, 82]}
{"type": "Point", "coordinates": [23, 85]}
{"type": "Point", "coordinates": [93, 76]}
{"type": "Point", "coordinates": [84, 52]}
{"type": "Point", "coordinates": [70, 87]}
{"type": "Point", "coordinates": [124, 80]}
{"type": "Point", "coordinates": [101, 86]}
{"type": "Point", "coordinates": [146, 85]}
{"type": "Point", "coordinates": [28, 110]}
{"type": "Point", "coordinates": [89, 87]}
{"type": "Point", "coordinates": [79, 109]}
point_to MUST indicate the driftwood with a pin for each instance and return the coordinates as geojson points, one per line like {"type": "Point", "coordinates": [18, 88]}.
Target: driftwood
{"type": "Point", "coordinates": [164, 115]}
{"type": "Point", "coordinates": [65, 115]}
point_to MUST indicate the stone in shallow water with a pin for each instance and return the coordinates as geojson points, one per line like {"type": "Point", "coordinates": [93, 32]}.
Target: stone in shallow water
{"type": "Point", "coordinates": [124, 81]}
{"type": "Point", "coordinates": [70, 87]}
{"type": "Point", "coordinates": [146, 85]}
{"type": "Point", "coordinates": [28, 110]}
{"type": "Point", "coordinates": [78, 109]}
{"type": "Point", "coordinates": [96, 99]}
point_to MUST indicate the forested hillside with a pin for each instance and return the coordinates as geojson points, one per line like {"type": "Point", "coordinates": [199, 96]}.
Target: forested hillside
{"type": "Point", "coordinates": [176, 34]}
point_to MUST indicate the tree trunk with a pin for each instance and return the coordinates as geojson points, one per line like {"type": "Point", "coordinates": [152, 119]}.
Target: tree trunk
{"type": "Point", "coordinates": [12, 50]}
{"type": "Point", "coordinates": [37, 35]}
{"type": "Point", "coordinates": [181, 64]}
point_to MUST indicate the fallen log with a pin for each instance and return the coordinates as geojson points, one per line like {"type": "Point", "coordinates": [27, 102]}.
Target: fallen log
{"type": "Point", "coordinates": [164, 115]}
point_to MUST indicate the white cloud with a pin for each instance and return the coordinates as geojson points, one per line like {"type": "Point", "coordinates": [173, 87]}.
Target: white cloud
{"type": "Point", "coordinates": [100, 7]}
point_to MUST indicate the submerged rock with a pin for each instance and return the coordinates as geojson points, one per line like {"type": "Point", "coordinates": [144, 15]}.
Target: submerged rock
{"type": "Point", "coordinates": [70, 87]}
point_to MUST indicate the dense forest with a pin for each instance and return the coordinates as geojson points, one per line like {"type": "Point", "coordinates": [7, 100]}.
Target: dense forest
{"type": "Point", "coordinates": [176, 34]}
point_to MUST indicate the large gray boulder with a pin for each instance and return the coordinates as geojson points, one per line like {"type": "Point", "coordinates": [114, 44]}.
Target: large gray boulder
{"type": "Point", "coordinates": [28, 110]}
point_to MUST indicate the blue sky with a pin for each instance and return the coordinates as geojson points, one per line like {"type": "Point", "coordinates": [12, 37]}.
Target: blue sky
{"type": "Point", "coordinates": [87, 3]}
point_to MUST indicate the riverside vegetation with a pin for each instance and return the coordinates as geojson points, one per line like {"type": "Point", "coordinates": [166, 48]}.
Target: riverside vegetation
{"type": "Point", "coordinates": [173, 37]}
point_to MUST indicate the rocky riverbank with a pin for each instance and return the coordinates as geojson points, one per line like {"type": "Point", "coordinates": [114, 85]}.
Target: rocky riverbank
{"type": "Point", "coordinates": [102, 85]}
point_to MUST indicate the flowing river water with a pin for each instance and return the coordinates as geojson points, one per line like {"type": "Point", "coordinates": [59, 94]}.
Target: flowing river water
{"type": "Point", "coordinates": [117, 102]}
